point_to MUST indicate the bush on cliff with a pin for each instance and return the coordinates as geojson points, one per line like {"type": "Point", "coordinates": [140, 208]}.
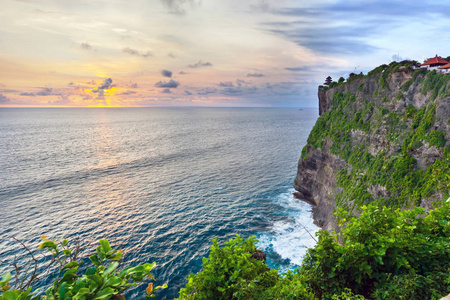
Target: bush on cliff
{"type": "Point", "coordinates": [230, 272]}
{"type": "Point", "coordinates": [385, 254]}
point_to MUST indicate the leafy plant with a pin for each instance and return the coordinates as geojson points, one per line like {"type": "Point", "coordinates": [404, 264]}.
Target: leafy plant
{"type": "Point", "coordinates": [232, 272]}
{"type": "Point", "coordinates": [384, 254]}
{"type": "Point", "coordinates": [102, 281]}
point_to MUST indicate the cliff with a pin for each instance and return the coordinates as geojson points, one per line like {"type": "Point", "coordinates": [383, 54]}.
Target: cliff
{"type": "Point", "coordinates": [381, 138]}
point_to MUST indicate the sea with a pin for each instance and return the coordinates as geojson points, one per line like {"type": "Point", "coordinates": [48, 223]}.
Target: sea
{"type": "Point", "coordinates": [158, 183]}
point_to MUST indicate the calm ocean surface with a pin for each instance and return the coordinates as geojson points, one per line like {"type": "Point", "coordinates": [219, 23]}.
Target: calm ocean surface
{"type": "Point", "coordinates": [159, 183]}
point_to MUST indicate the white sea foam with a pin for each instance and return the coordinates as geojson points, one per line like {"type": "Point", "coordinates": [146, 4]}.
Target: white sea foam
{"type": "Point", "coordinates": [288, 239]}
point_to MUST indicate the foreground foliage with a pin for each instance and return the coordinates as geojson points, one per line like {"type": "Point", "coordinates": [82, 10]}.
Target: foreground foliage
{"type": "Point", "coordinates": [101, 281]}
{"type": "Point", "coordinates": [231, 273]}
{"type": "Point", "coordinates": [385, 254]}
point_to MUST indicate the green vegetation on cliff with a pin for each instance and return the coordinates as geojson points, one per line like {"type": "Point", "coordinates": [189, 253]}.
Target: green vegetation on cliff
{"type": "Point", "coordinates": [395, 152]}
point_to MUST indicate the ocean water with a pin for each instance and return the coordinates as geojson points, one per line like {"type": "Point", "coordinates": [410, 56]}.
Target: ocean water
{"type": "Point", "coordinates": [158, 183]}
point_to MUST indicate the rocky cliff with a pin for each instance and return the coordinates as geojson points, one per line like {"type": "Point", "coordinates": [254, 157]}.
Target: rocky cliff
{"type": "Point", "coordinates": [381, 137]}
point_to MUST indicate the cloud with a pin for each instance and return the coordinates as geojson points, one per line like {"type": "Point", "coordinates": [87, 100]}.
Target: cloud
{"type": "Point", "coordinates": [4, 99]}
{"type": "Point", "coordinates": [171, 55]}
{"type": "Point", "coordinates": [298, 69]}
{"type": "Point", "coordinates": [262, 6]}
{"type": "Point", "coordinates": [232, 91]}
{"type": "Point", "coordinates": [63, 100]}
{"type": "Point", "coordinates": [240, 82]}
{"type": "Point", "coordinates": [9, 91]}
{"type": "Point", "coordinates": [333, 39]}
{"type": "Point", "coordinates": [166, 91]}
{"type": "Point", "coordinates": [28, 94]}
{"type": "Point", "coordinates": [349, 27]}
{"type": "Point", "coordinates": [166, 73]}
{"type": "Point", "coordinates": [200, 64]}
{"type": "Point", "coordinates": [182, 73]}
{"type": "Point", "coordinates": [101, 94]}
{"type": "Point", "coordinates": [106, 85]}
{"type": "Point", "coordinates": [86, 46]}
{"type": "Point", "coordinates": [134, 52]}
{"type": "Point", "coordinates": [127, 93]}
{"type": "Point", "coordinates": [397, 57]}
{"type": "Point", "coordinates": [164, 84]}
{"type": "Point", "coordinates": [188, 93]}
{"type": "Point", "coordinates": [206, 91]}
{"type": "Point", "coordinates": [321, 28]}
{"type": "Point", "coordinates": [226, 84]}
{"type": "Point", "coordinates": [178, 7]}
{"type": "Point", "coordinates": [241, 87]}
{"type": "Point", "coordinates": [45, 92]}
{"type": "Point", "coordinates": [255, 75]}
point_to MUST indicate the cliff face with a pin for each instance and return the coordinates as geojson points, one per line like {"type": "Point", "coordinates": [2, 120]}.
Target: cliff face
{"type": "Point", "coordinates": [382, 138]}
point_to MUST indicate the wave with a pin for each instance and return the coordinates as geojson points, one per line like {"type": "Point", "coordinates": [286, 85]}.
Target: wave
{"type": "Point", "coordinates": [288, 237]}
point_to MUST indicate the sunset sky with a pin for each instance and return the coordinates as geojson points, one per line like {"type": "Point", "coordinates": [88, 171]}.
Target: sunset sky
{"type": "Point", "coordinates": [203, 53]}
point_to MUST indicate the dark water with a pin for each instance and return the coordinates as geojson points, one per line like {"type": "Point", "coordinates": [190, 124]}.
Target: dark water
{"type": "Point", "coordinates": [158, 183]}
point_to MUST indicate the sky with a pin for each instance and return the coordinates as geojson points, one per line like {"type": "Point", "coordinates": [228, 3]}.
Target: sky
{"type": "Point", "coordinates": [255, 53]}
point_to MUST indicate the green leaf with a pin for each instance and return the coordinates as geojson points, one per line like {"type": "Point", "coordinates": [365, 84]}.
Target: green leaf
{"type": "Point", "coordinates": [83, 291]}
{"type": "Point", "coordinates": [113, 281]}
{"type": "Point", "coordinates": [96, 278]}
{"type": "Point", "coordinates": [91, 271]}
{"type": "Point", "coordinates": [47, 244]}
{"type": "Point", "coordinates": [443, 222]}
{"type": "Point", "coordinates": [111, 268]}
{"type": "Point", "coordinates": [104, 293]}
{"type": "Point", "coordinates": [62, 290]}
{"type": "Point", "coordinates": [6, 277]}
{"type": "Point", "coordinates": [105, 245]}
{"type": "Point", "coordinates": [94, 259]}
{"type": "Point", "coordinates": [65, 242]}
{"type": "Point", "coordinates": [164, 286]}
{"type": "Point", "coordinates": [10, 295]}
{"type": "Point", "coordinates": [67, 251]}
{"type": "Point", "coordinates": [71, 265]}
{"type": "Point", "coordinates": [71, 271]}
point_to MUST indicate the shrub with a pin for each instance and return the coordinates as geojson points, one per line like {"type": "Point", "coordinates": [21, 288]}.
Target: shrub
{"type": "Point", "coordinates": [100, 281]}
{"type": "Point", "coordinates": [384, 252]}
{"type": "Point", "coordinates": [436, 137]}
{"type": "Point", "coordinates": [406, 85]}
{"type": "Point", "coordinates": [230, 272]}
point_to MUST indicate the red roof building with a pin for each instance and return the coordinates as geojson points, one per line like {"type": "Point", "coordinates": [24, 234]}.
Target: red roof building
{"type": "Point", "coordinates": [444, 69]}
{"type": "Point", "coordinates": [435, 62]}
{"type": "Point", "coordinates": [447, 66]}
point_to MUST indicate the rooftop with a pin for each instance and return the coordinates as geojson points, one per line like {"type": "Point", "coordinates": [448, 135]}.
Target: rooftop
{"type": "Point", "coordinates": [435, 60]}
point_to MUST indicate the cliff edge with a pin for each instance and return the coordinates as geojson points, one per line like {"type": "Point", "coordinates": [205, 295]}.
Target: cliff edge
{"type": "Point", "coordinates": [381, 138]}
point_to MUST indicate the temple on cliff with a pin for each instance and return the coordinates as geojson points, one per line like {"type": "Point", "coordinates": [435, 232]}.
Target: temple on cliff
{"type": "Point", "coordinates": [445, 69]}
{"type": "Point", "coordinates": [435, 63]}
